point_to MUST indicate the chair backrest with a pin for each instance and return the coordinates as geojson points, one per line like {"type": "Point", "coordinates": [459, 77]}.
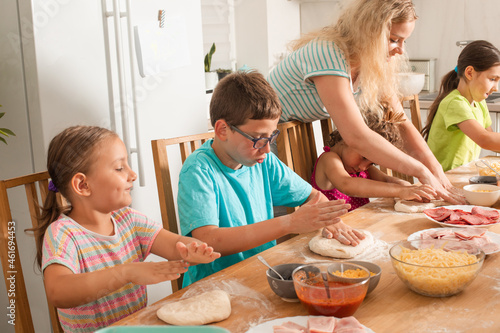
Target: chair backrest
{"type": "Point", "coordinates": [186, 145]}
{"type": "Point", "coordinates": [297, 147]}
{"type": "Point", "coordinates": [416, 118]}
{"type": "Point", "coordinates": [9, 253]}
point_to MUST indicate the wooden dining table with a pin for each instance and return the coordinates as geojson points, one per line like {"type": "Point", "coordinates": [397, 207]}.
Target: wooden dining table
{"type": "Point", "coordinates": [391, 307]}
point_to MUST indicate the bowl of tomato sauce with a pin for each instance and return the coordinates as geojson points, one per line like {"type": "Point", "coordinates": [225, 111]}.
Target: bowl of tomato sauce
{"type": "Point", "coordinates": [323, 295]}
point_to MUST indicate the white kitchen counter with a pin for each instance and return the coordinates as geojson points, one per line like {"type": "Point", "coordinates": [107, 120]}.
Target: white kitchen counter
{"type": "Point", "coordinates": [493, 106]}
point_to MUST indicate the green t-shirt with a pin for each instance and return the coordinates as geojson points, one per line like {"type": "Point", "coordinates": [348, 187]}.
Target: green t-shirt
{"type": "Point", "coordinates": [449, 144]}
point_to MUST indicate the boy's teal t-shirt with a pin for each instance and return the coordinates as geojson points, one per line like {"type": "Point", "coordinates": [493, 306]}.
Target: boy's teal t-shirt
{"type": "Point", "coordinates": [449, 144]}
{"type": "Point", "coordinates": [211, 193]}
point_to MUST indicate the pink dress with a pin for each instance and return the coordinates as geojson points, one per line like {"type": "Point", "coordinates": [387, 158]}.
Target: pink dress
{"type": "Point", "coordinates": [335, 194]}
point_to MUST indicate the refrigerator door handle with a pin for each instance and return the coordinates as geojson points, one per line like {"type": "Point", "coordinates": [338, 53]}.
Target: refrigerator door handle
{"type": "Point", "coordinates": [116, 14]}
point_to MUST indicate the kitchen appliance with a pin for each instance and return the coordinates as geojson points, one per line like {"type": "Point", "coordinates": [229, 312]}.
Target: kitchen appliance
{"type": "Point", "coordinates": [428, 67]}
{"type": "Point", "coordinates": [75, 62]}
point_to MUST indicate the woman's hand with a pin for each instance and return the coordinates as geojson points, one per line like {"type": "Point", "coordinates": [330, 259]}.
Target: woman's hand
{"type": "Point", "coordinates": [451, 196]}
{"type": "Point", "coordinates": [343, 233]}
{"type": "Point", "coordinates": [417, 193]}
{"type": "Point", "coordinates": [196, 252]}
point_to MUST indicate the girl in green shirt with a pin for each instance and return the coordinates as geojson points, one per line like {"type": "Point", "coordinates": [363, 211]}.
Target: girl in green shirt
{"type": "Point", "coordinates": [459, 124]}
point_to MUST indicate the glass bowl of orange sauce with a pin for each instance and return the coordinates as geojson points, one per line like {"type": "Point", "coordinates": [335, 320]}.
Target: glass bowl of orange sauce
{"type": "Point", "coordinates": [323, 294]}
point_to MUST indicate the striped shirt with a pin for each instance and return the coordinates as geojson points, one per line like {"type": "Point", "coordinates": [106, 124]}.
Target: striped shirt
{"type": "Point", "coordinates": [290, 79]}
{"type": "Point", "coordinates": [69, 244]}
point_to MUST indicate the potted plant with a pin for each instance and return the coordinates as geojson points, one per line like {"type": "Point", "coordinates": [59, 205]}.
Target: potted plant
{"type": "Point", "coordinates": [221, 72]}
{"type": "Point", "coordinates": [4, 131]}
{"type": "Point", "coordinates": [210, 77]}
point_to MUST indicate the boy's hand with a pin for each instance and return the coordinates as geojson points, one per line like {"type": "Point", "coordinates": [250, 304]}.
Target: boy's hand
{"type": "Point", "coordinates": [315, 214]}
{"type": "Point", "coordinates": [418, 193]}
{"type": "Point", "coordinates": [343, 233]}
{"type": "Point", "coordinates": [197, 252]}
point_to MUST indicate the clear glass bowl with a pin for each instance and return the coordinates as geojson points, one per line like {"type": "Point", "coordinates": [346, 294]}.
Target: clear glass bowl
{"type": "Point", "coordinates": [427, 278]}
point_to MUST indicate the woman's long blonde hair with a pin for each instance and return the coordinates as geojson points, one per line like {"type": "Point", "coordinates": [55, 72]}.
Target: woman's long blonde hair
{"type": "Point", "coordinates": [362, 33]}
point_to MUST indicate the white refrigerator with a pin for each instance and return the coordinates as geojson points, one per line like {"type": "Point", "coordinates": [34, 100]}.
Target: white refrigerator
{"type": "Point", "coordinates": [135, 66]}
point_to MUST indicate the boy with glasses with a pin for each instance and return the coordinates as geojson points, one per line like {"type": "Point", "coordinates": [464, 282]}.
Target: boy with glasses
{"type": "Point", "coordinates": [228, 187]}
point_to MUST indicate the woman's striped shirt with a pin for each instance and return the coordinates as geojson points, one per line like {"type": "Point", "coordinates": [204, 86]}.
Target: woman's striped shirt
{"type": "Point", "coordinates": [298, 95]}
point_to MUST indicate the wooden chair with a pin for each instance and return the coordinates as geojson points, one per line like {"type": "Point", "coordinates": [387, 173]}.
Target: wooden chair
{"type": "Point", "coordinates": [186, 145]}
{"type": "Point", "coordinates": [9, 253]}
{"type": "Point", "coordinates": [297, 147]}
{"type": "Point", "coordinates": [414, 103]}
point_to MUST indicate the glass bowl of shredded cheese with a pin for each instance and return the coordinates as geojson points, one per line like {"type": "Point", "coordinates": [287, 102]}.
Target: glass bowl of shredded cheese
{"type": "Point", "coordinates": [437, 268]}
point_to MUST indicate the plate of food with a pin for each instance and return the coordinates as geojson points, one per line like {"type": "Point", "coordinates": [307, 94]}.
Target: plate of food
{"type": "Point", "coordinates": [461, 216]}
{"type": "Point", "coordinates": [487, 241]}
{"type": "Point", "coordinates": [298, 321]}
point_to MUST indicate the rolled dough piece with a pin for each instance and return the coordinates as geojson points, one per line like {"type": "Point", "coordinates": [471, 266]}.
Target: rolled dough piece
{"type": "Point", "coordinates": [408, 206]}
{"type": "Point", "coordinates": [333, 248]}
{"type": "Point", "coordinates": [209, 307]}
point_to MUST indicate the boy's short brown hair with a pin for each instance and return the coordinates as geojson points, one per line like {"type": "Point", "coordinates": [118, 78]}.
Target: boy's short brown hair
{"type": "Point", "coordinates": [241, 96]}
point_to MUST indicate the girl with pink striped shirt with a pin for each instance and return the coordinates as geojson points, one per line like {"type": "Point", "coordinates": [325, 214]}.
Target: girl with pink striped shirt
{"type": "Point", "coordinates": [92, 252]}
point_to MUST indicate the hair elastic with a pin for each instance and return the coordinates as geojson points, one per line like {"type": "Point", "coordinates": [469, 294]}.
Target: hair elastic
{"type": "Point", "coordinates": [52, 187]}
{"type": "Point", "coordinates": [456, 69]}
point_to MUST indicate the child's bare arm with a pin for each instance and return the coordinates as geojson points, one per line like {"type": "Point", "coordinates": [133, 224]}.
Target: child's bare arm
{"type": "Point", "coordinates": [66, 289]}
{"type": "Point", "coordinates": [378, 175]}
{"type": "Point", "coordinates": [317, 213]}
{"type": "Point", "coordinates": [484, 137]}
{"type": "Point", "coordinates": [174, 247]}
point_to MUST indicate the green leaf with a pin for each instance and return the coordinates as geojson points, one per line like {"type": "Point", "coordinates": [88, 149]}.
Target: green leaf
{"type": "Point", "coordinates": [6, 132]}
{"type": "Point", "coordinates": [208, 58]}
{"type": "Point", "coordinates": [3, 140]}
{"type": "Point", "coordinates": [1, 114]}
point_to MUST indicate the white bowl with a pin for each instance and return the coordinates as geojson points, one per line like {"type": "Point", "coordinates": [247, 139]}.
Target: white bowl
{"type": "Point", "coordinates": [411, 83]}
{"type": "Point", "coordinates": [482, 194]}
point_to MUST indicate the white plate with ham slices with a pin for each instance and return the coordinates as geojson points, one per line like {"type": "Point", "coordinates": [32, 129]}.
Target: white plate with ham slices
{"type": "Point", "coordinates": [268, 326]}
{"type": "Point", "coordinates": [488, 241]}
{"type": "Point", "coordinates": [481, 217]}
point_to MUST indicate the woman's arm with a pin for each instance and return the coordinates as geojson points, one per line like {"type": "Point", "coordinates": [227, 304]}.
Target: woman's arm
{"type": "Point", "coordinates": [369, 188]}
{"type": "Point", "coordinates": [336, 95]}
{"type": "Point", "coordinates": [335, 92]}
{"type": "Point", "coordinates": [483, 137]}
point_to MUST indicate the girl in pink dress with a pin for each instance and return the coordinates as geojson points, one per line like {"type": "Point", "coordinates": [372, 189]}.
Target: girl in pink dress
{"type": "Point", "coordinates": [342, 173]}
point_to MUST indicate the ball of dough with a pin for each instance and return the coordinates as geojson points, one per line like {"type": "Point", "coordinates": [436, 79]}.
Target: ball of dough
{"type": "Point", "coordinates": [333, 248]}
{"type": "Point", "coordinates": [209, 307]}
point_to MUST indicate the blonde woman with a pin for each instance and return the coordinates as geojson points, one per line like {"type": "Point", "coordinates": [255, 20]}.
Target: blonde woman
{"type": "Point", "coordinates": [351, 66]}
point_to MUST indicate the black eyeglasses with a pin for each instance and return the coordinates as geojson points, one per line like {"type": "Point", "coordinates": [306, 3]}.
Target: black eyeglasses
{"type": "Point", "coordinates": [258, 143]}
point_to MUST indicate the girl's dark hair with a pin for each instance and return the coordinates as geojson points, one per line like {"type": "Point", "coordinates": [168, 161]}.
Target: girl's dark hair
{"type": "Point", "coordinates": [70, 152]}
{"type": "Point", "coordinates": [388, 128]}
{"type": "Point", "coordinates": [479, 54]}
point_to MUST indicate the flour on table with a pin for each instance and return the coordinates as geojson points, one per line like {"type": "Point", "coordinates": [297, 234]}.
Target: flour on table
{"type": "Point", "coordinates": [333, 248]}
{"type": "Point", "coordinates": [209, 307]}
{"type": "Point", "coordinates": [408, 206]}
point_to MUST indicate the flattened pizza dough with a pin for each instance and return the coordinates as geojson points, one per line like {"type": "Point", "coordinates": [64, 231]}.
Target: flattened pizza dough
{"type": "Point", "coordinates": [408, 206]}
{"type": "Point", "coordinates": [209, 307]}
{"type": "Point", "coordinates": [333, 248]}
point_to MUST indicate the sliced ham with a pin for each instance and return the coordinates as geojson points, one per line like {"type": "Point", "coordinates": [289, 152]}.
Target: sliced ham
{"type": "Point", "coordinates": [470, 236]}
{"type": "Point", "coordinates": [488, 213]}
{"type": "Point", "coordinates": [321, 324]}
{"type": "Point", "coordinates": [469, 233]}
{"type": "Point", "coordinates": [284, 329]}
{"type": "Point", "coordinates": [291, 324]}
{"type": "Point", "coordinates": [477, 216]}
{"type": "Point", "coordinates": [348, 325]}
{"type": "Point", "coordinates": [475, 219]}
